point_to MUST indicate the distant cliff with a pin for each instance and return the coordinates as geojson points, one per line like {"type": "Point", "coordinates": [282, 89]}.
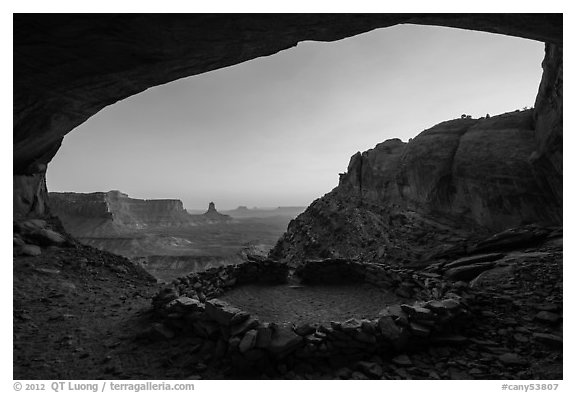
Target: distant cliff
{"type": "Point", "coordinates": [281, 211]}
{"type": "Point", "coordinates": [405, 200]}
{"type": "Point", "coordinates": [113, 213]}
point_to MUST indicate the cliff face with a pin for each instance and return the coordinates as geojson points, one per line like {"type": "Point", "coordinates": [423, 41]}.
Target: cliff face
{"type": "Point", "coordinates": [459, 178]}
{"type": "Point", "coordinates": [548, 112]}
{"type": "Point", "coordinates": [112, 213]}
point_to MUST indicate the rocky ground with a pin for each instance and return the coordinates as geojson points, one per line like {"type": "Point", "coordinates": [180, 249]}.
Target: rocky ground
{"type": "Point", "coordinates": [80, 313]}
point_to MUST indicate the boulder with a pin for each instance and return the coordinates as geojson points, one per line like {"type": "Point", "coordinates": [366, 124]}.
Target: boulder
{"type": "Point", "coordinates": [419, 330]}
{"type": "Point", "coordinates": [264, 338]}
{"type": "Point", "coordinates": [165, 296]}
{"type": "Point", "coordinates": [417, 312]}
{"type": "Point", "coordinates": [357, 375]}
{"type": "Point", "coordinates": [389, 330]}
{"type": "Point", "coordinates": [221, 312]}
{"type": "Point", "coordinates": [239, 317]}
{"type": "Point", "coordinates": [351, 325]}
{"type": "Point", "coordinates": [304, 329]}
{"type": "Point", "coordinates": [234, 342]}
{"type": "Point", "coordinates": [185, 304]}
{"type": "Point", "coordinates": [547, 317]}
{"type": "Point", "coordinates": [47, 237]}
{"type": "Point", "coordinates": [242, 327]}
{"type": "Point", "coordinates": [30, 250]}
{"type": "Point", "coordinates": [451, 304]}
{"type": "Point", "coordinates": [343, 373]}
{"type": "Point", "coordinates": [467, 272]}
{"type": "Point", "coordinates": [29, 226]}
{"type": "Point", "coordinates": [370, 368]}
{"type": "Point", "coordinates": [47, 271]}
{"type": "Point", "coordinates": [474, 259]}
{"type": "Point", "coordinates": [284, 340]}
{"type": "Point", "coordinates": [546, 307]}
{"type": "Point", "coordinates": [369, 326]}
{"type": "Point", "coordinates": [549, 339]}
{"type": "Point", "coordinates": [396, 312]}
{"type": "Point", "coordinates": [511, 359]}
{"type": "Point", "coordinates": [248, 341]}
{"type": "Point", "coordinates": [436, 305]}
{"type": "Point", "coordinates": [493, 278]}
{"type": "Point", "coordinates": [402, 360]}
{"type": "Point", "coordinates": [512, 238]}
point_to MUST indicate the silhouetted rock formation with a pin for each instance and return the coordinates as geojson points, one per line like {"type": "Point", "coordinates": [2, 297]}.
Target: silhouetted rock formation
{"type": "Point", "coordinates": [403, 200]}
{"type": "Point", "coordinates": [212, 215]}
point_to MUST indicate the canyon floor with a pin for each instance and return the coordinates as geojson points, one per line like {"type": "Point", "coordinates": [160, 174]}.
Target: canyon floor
{"type": "Point", "coordinates": [173, 252]}
{"type": "Point", "coordinates": [81, 313]}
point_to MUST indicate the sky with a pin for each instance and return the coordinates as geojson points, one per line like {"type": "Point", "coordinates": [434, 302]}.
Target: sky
{"type": "Point", "coordinates": [277, 130]}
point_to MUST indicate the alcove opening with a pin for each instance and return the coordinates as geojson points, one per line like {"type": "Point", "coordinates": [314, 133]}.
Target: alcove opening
{"type": "Point", "coordinates": [275, 132]}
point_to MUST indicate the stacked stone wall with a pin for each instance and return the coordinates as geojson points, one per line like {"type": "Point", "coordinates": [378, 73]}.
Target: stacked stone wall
{"type": "Point", "coordinates": [189, 306]}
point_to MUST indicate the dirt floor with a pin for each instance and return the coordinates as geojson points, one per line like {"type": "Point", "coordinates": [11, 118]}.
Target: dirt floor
{"type": "Point", "coordinates": [318, 303]}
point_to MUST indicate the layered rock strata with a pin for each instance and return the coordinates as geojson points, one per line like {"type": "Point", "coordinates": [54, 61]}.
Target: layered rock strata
{"type": "Point", "coordinates": [113, 213]}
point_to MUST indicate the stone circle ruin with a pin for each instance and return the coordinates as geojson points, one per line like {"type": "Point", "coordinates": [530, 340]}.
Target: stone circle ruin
{"type": "Point", "coordinates": [190, 306]}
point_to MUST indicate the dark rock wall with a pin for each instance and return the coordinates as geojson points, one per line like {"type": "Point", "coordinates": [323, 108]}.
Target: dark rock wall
{"type": "Point", "coordinates": [372, 173]}
{"type": "Point", "coordinates": [426, 173]}
{"type": "Point", "coordinates": [460, 178]}
{"type": "Point", "coordinates": [68, 67]}
{"type": "Point", "coordinates": [493, 178]}
{"type": "Point", "coordinates": [30, 196]}
{"type": "Point", "coordinates": [478, 170]}
{"type": "Point", "coordinates": [548, 122]}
